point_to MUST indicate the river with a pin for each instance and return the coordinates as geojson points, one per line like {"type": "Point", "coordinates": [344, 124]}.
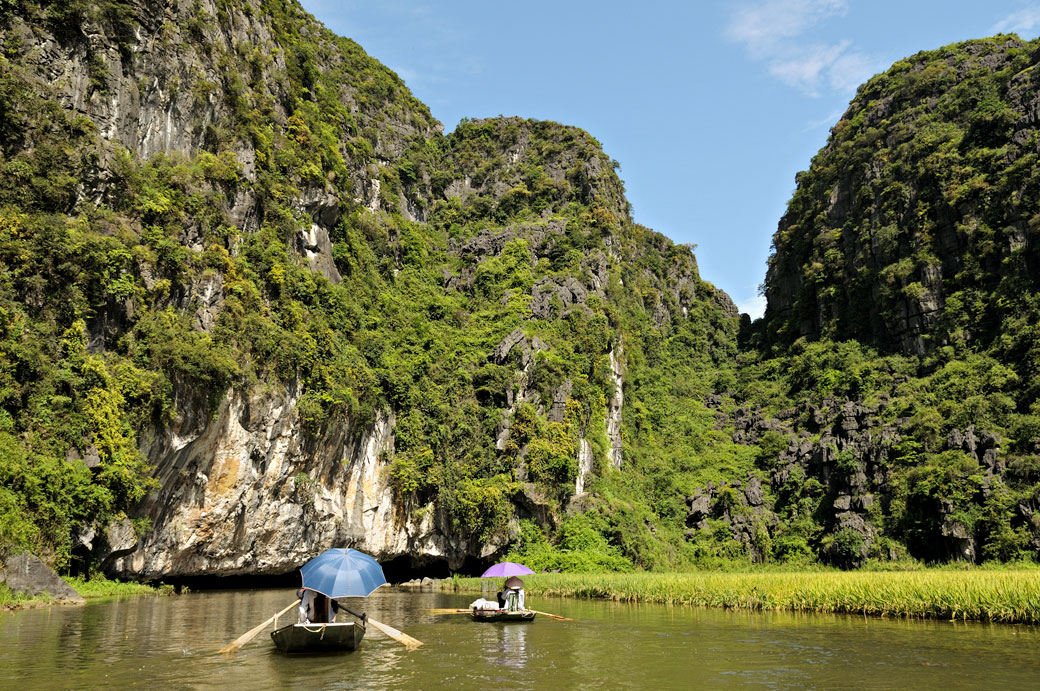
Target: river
{"type": "Point", "coordinates": [170, 643]}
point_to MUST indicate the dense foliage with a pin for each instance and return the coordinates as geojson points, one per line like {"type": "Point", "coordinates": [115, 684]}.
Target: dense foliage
{"type": "Point", "coordinates": [914, 233]}
{"type": "Point", "coordinates": [134, 290]}
{"type": "Point", "coordinates": [103, 339]}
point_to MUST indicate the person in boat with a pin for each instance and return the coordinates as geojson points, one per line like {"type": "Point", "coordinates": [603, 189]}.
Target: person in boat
{"type": "Point", "coordinates": [513, 596]}
{"type": "Point", "coordinates": [316, 608]}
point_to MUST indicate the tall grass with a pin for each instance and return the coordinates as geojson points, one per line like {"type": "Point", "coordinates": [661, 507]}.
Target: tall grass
{"type": "Point", "coordinates": [90, 589]}
{"type": "Point", "coordinates": [12, 600]}
{"type": "Point", "coordinates": [1010, 596]}
{"type": "Point", "coordinates": [99, 586]}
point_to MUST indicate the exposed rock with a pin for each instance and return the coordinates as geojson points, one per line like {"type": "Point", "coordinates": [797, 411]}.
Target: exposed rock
{"type": "Point", "coordinates": [846, 551]}
{"type": "Point", "coordinates": [314, 246]}
{"type": "Point", "coordinates": [585, 460]}
{"type": "Point", "coordinates": [559, 403]}
{"type": "Point", "coordinates": [491, 242]}
{"type": "Point", "coordinates": [120, 540]}
{"type": "Point", "coordinates": [247, 491]}
{"type": "Point", "coordinates": [84, 537]}
{"type": "Point", "coordinates": [514, 343]}
{"type": "Point", "coordinates": [580, 503]}
{"type": "Point", "coordinates": [614, 406]}
{"type": "Point", "coordinates": [532, 504]}
{"type": "Point", "coordinates": [698, 507]}
{"type": "Point", "coordinates": [960, 543]}
{"type": "Point", "coordinates": [502, 350]}
{"type": "Point", "coordinates": [548, 293]}
{"type": "Point", "coordinates": [25, 574]}
{"type": "Point", "coordinates": [206, 296]}
{"type": "Point", "coordinates": [426, 583]}
{"type": "Point", "coordinates": [89, 458]}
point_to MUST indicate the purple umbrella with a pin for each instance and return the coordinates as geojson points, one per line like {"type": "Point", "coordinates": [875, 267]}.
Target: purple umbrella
{"type": "Point", "coordinates": [506, 569]}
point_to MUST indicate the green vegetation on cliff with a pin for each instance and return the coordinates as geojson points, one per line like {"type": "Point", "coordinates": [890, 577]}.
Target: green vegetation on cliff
{"type": "Point", "coordinates": [904, 281]}
{"type": "Point", "coordinates": [308, 231]}
{"type": "Point", "coordinates": [106, 338]}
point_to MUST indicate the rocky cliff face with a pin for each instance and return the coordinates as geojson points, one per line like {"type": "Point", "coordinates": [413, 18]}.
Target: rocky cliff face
{"type": "Point", "coordinates": [332, 315]}
{"type": "Point", "coordinates": [913, 227]}
{"type": "Point", "coordinates": [248, 491]}
{"type": "Point", "coordinates": [844, 465]}
{"type": "Point", "coordinates": [914, 233]}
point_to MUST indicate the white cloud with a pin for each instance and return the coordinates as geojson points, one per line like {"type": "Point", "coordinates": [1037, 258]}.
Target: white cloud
{"type": "Point", "coordinates": [804, 68]}
{"type": "Point", "coordinates": [1024, 23]}
{"type": "Point", "coordinates": [754, 306]}
{"type": "Point", "coordinates": [850, 69]}
{"type": "Point", "coordinates": [759, 26]}
{"type": "Point", "coordinates": [774, 32]}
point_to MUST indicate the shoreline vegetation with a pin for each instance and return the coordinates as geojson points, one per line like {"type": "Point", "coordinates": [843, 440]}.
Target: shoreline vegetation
{"type": "Point", "coordinates": [95, 588]}
{"type": "Point", "coordinates": [1010, 596]}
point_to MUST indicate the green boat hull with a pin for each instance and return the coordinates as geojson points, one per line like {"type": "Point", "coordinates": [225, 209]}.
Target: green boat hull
{"type": "Point", "coordinates": [318, 638]}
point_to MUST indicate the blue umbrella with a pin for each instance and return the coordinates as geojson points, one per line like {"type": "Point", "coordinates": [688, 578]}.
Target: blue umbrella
{"type": "Point", "coordinates": [339, 572]}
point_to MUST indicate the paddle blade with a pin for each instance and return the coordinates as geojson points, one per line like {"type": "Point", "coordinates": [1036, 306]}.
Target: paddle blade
{"type": "Point", "coordinates": [398, 636]}
{"type": "Point", "coordinates": [251, 633]}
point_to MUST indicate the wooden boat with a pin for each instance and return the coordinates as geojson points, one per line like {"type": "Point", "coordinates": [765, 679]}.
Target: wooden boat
{"type": "Point", "coordinates": [319, 638]}
{"type": "Point", "coordinates": [502, 615]}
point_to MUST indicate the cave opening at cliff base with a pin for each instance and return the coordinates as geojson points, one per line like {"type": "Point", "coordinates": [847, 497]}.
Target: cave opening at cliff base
{"type": "Point", "coordinates": [397, 570]}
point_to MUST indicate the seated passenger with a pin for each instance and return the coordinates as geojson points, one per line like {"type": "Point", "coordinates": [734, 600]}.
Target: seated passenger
{"type": "Point", "coordinates": [514, 595]}
{"type": "Point", "coordinates": [316, 608]}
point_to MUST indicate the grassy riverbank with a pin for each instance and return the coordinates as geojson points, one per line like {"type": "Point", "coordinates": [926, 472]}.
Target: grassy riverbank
{"type": "Point", "coordinates": [1010, 596]}
{"type": "Point", "coordinates": [95, 588]}
{"type": "Point", "coordinates": [99, 587]}
{"type": "Point", "coordinates": [11, 600]}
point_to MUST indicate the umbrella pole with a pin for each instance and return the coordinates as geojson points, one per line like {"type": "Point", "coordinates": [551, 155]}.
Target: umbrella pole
{"type": "Point", "coordinates": [251, 633]}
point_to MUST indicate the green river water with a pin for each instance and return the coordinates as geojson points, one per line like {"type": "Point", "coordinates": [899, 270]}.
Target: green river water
{"type": "Point", "coordinates": [170, 643]}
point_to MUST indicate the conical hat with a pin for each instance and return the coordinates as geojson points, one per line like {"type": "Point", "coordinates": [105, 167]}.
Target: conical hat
{"type": "Point", "coordinates": [514, 582]}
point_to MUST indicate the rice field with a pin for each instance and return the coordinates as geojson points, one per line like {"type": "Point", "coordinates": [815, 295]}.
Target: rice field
{"type": "Point", "coordinates": [1008, 596]}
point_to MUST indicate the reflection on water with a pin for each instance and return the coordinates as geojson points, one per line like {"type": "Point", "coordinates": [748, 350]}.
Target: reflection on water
{"type": "Point", "coordinates": [170, 643]}
{"type": "Point", "coordinates": [512, 648]}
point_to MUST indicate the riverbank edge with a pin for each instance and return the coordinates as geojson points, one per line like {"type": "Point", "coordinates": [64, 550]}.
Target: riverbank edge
{"type": "Point", "coordinates": [1009, 597]}
{"type": "Point", "coordinates": [93, 589]}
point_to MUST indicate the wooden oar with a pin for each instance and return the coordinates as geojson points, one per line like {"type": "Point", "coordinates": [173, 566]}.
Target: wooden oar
{"type": "Point", "coordinates": [398, 636]}
{"type": "Point", "coordinates": [552, 616]}
{"type": "Point", "coordinates": [251, 633]}
{"type": "Point", "coordinates": [448, 611]}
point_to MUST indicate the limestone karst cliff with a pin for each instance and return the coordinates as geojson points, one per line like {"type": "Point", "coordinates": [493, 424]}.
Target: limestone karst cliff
{"type": "Point", "coordinates": [914, 226]}
{"type": "Point", "coordinates": [253, 304]}
{"type": "Point", "coordinates": [310, 318]}
{"type": "Point", "coordinates": [911, 240]}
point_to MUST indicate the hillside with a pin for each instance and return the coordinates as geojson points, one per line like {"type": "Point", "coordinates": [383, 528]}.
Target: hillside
{"type": "Point", "coordinates": [256, 302]}
{"type": "Point", "coordinates": [902, 313]}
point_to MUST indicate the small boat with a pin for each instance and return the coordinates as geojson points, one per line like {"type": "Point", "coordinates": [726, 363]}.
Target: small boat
{"type": "Point", "coordinates": [319, 638]}
{"type": "Point", "coordinates": [502, 615]}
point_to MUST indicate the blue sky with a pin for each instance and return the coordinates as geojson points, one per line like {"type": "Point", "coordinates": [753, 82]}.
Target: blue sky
{"type": "Point", "coordinates": [710, 107]}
